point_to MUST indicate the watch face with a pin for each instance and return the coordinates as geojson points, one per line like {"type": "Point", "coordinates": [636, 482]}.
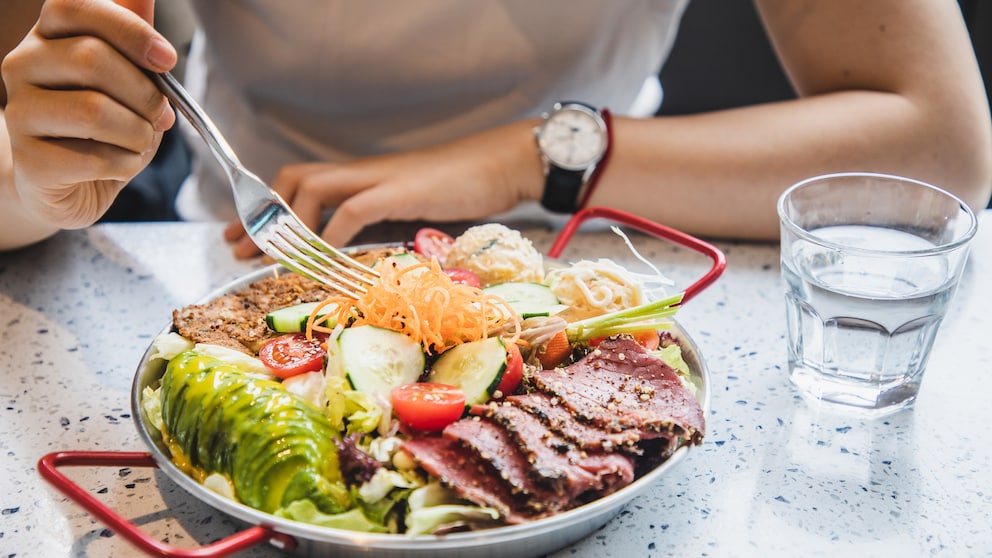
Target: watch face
{"type": "Point", "coordinates": [573, 138]}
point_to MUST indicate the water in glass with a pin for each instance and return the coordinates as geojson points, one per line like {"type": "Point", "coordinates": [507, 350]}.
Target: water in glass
{"type": "Point", "coordinates": [861, 328]}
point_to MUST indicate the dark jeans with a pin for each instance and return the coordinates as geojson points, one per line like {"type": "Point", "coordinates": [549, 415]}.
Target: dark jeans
{"type": "Point", "coordinates": [151, 196]}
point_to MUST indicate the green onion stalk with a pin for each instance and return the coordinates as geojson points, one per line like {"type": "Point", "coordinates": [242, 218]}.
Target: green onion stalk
{"type": "Point", "coordinates": [652, 315]}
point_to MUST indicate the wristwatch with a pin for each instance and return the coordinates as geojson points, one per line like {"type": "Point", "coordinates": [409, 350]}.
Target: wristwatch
{"type": "Point", "coordinates": [572, 141]}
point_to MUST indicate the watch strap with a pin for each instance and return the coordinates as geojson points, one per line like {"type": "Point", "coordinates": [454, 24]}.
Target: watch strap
{"type": "Point", "coordinates": [567, 191]}
{"type": "Point", "coordinates": [586, 192]}
{"type": "Point", "coordinates": [562, 189]}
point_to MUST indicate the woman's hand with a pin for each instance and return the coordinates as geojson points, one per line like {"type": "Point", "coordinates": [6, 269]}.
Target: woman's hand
{"type": "Point", "coordinates": [82, 116]}
{"type": "Point", "coordinates": [468, 179]}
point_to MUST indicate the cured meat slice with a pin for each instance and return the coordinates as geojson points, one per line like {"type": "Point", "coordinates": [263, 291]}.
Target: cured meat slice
{"type": "Point", "coordinates": [556, 461]}
{"type": "Point", "coordinates": [562, 421]}
{"type": "Point", "coordinates": [589, 430]}
{"type": "Point", "coordinates": [473, 478]}
{"type": "Point", "coordinates": [621, 386]}
{"type": "Point", "coordinates": [492, 444]}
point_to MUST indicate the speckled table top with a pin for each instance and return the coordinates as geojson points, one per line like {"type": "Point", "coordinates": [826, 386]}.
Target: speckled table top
{"type": "Point", "coordinates": [774, 477]}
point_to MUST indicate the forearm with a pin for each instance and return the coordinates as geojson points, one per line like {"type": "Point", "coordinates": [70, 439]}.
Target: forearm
{"type": "Point", "coordinates": [720, 174]}
{"type": "Point", "coordinates": [895, 90]}
{"type": "Point", "coordinates": [17, 227]}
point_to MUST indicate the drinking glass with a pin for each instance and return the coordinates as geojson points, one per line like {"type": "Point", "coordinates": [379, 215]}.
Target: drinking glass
{"type": "Point", "coordinates": [870, 263]}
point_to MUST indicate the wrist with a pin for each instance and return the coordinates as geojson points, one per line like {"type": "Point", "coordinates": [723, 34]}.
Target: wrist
{"type": "Point", "coordinates": [573, 143]}
{"type": "Point", "coordinates": [528, 176]}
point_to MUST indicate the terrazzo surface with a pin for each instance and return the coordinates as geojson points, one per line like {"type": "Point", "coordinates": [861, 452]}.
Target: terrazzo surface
{"type": "Point", "coordinates": [775, 476]}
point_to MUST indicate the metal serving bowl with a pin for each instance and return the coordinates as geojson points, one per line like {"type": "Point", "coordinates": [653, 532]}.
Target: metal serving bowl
{"type": "Point", "coordinates": [529, 539]}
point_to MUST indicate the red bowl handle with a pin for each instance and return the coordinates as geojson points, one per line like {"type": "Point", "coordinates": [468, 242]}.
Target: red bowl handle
{"type": "Point", "coordinates": [652, 228]}
{"type": "Point", "coordinates": [48, 467]}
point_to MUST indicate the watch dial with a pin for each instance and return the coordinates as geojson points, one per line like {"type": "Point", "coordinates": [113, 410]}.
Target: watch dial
{"type": "Point", "coordinates": [573, 139]}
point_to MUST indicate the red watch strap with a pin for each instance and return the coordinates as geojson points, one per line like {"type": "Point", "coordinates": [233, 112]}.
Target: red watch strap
{"type": "Point", "coordinates": [594, 179]}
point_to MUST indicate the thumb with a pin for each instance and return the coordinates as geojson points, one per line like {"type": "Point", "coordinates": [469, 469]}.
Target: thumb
{"type": "Point", "coordinates": [144, 8]}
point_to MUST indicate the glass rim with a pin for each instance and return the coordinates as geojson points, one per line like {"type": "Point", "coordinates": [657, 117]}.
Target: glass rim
{"type": "Point", "coordinates": [806, 235]}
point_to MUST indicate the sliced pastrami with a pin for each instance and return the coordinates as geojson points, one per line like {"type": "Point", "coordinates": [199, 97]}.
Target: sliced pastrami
{"type": "Point", "coordinates": [621, 386]}
{"type": "Point", "coordinates": [472, 478]}
{"type": "Point", "coordinates": [556, 461]}
{"type": "Point", "coordinates": [492, 444]}
{"type": "Point", "coordinates": [561, 420]}
{"type": "Point", "coordinates": [588, 430]}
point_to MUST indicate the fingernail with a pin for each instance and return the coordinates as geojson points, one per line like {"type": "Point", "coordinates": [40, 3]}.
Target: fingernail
{"type": "Point", "coordinates": [153, 146]}
{"type": "Point", "coordinates": [165, 119]}
{"type": "Point", "coordinates": [161, 56]}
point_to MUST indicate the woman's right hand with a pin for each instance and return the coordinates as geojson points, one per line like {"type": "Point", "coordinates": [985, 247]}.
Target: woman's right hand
{"type": "Point", "coordinates": [82, 115]}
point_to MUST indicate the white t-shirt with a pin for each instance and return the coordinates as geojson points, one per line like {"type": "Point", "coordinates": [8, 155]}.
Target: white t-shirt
{"type": "Point", "coordinates": [330, 80]}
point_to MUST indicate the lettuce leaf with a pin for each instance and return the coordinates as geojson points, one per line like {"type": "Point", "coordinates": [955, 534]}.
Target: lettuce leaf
{"type": "Point", "coordinates": [306, 512]}
{"type": "Point", "coordinates": [151, 403]}
{"type": "Point", "coordinates": [168, 345]}
{"type": "Point", "coordinates": [433, 506]}
{"type": "Point", "coordinates": [428, 520]}
{"type": "Point", "coordinates": [672, 356]}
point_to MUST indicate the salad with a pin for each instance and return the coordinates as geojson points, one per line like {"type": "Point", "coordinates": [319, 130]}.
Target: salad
{"type": "Point", "coordinates": [474, 385]}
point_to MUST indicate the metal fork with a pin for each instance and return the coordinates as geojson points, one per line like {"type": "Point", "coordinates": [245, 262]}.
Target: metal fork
{"type": "Point", "coordinates": [267, 218]}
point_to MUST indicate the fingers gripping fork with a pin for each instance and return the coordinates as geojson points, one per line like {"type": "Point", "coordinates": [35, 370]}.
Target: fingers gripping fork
{"type": "Point", "coordinates": [267, 218]}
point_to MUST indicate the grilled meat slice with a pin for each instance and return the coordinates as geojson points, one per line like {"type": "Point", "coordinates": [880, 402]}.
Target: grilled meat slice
{"type": "Point", "coordinates": [237, 320]}
{"type": "Point", "coordinates": [557, 462]}
{"type": "Point", "coordinates": [473, 478]}
{"type": "Point", "coordinates": [563, 422]}
{"type": "Point", "coordinates": [622, 386]}
{"type": "Point", "coordinates": [493, 445]}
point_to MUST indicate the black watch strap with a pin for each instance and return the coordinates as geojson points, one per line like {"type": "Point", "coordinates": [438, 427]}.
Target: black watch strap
{"type": "Point", "coordinates": [561, 190]}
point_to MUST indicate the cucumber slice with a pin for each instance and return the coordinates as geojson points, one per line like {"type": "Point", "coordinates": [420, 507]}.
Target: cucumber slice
{"type": "Point", "coordinates": [528, 299]}
{"type": "Point", "coordinates": [476, 367]}
{"type": "Point", "coordinates": [402, 259]}
{"type": "Point", "coordinates": [293, 319]}
{"type": "Point", "coordinates": [375, 359]}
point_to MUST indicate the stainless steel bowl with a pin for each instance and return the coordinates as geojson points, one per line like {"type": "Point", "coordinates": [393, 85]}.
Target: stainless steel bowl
{"type": "Point", "coordinates": [530, 539]}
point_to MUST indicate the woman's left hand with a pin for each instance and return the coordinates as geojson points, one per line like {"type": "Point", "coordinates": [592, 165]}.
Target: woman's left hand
{"type": "Point", "coordinates": [467, 179]}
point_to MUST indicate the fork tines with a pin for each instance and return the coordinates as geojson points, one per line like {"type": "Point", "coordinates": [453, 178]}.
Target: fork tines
{"type": "Point", "coordinates": [308, 255]}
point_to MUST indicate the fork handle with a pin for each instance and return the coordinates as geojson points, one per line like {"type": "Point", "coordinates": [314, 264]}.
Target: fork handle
{"type": "Point", "coordinates": [190, 109]}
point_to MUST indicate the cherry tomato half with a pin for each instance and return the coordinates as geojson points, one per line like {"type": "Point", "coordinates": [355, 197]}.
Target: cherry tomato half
{"type": "Point", "coordinates": [463, 276]}
{"type": "Point", "coordinates": [428, 406]}
{"type": "Point", "coordinates": [291, 354]}
{"type": "Point", "coordinates": [432, 242]}
{"type": "Point", "coordinates": [514, 372]}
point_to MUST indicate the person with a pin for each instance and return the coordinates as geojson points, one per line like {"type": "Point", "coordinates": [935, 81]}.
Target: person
{"type": "Point", "coordinates": [426, 111]}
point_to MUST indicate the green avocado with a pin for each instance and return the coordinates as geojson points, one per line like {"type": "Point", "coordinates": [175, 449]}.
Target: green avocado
{"type": "Point", "coordinates": [275, 447]}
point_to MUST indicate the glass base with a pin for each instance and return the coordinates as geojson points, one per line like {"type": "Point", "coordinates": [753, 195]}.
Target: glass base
{"type": "Point", "coordinates": [869, 399]}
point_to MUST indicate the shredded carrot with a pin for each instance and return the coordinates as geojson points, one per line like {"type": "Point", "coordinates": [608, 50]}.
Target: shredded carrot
{"type": "Point", "coordinates": [422, 301]}
{"type": "Point", "coordinates": [312, 320]}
